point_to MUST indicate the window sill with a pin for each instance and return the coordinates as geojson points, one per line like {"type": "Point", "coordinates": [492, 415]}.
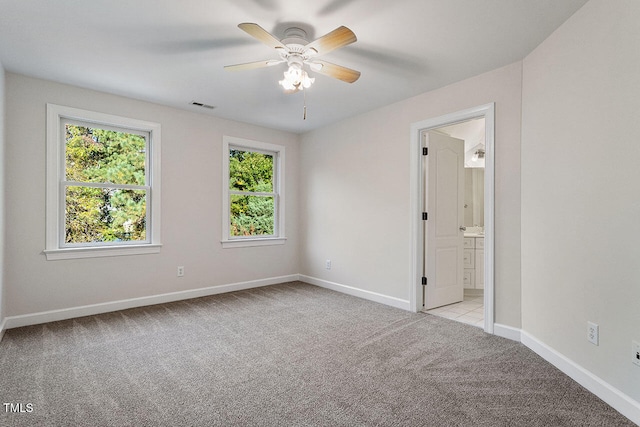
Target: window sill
{"type": "Point", "coordinates": [94, 252]}
{"type": "Point", "coordinates": [245, 243]}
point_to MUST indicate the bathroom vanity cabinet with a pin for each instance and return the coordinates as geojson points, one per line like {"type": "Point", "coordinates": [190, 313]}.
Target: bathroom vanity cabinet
{"type": "Point", "coordinates": [473, 261]}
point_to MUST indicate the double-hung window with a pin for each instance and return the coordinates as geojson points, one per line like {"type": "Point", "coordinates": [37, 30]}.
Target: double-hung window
{"type": "Point", "coordinates": [103, 184]}
{"type": "Point", "coordinates": [253, 193]}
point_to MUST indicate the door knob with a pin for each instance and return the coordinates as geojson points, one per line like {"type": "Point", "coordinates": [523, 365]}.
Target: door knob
{"type": "Point", "coordinates": [463, 228]}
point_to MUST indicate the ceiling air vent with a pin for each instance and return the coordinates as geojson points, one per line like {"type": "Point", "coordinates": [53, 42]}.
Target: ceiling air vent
{"type": "Point", "coordinates": [200, 104]}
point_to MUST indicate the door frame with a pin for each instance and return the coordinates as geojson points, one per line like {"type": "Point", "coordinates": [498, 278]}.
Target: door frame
{"type": "Point", "coordinates": [418, 193]}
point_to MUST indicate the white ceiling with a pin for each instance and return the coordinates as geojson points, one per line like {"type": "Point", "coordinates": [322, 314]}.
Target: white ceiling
{"type": "Point", "coordinates": [173, 52]}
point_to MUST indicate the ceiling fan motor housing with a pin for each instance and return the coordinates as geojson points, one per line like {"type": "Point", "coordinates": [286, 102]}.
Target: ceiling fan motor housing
{"type": "Point", "coordinates": [295, 61]}
{"type": "Point", "coordinates": [295, 36]}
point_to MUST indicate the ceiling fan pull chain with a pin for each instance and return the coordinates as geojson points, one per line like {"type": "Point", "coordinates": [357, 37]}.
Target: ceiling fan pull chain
{"type": "Point", "coordinates": [304, 108]}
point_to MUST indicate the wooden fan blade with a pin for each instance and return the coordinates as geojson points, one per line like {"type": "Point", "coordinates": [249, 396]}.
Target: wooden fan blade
{"type": "Point", "coordinates": [337, 71]}
{"type": "Point", "coordinates": [252, 65]}
{"type": "Point", "coordinates": [337, 38]}
{"type": "Point", "coordinates": [256, 31]}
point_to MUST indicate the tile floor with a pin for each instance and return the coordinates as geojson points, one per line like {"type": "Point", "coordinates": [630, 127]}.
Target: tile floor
{"type": "Point", "coordinates": [470, 311]}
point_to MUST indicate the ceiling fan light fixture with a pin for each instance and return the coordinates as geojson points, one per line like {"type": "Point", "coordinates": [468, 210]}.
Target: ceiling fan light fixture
{"type": "Point", "coordinates": [306, 80]}
{"type": "Point", "coordinates": [286, 84]}
{"type": "Point", "coordinates": [295, 78]}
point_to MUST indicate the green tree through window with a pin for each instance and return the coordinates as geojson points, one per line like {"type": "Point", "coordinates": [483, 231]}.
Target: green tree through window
{"type": "Point", "coordinates": [251, 191]}
{"type": "Point", "coordinates": [105, 185]}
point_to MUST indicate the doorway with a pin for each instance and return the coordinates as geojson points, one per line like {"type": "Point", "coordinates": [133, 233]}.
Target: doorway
{"type": "Point", "coordinates": [466, 303]}
{"type": "Point", "coordinates": [420, 205]}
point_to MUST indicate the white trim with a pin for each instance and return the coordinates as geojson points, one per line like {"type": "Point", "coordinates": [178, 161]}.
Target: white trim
{"type": "Point", "coordinates": [103, 251]}
{"type": "Point", "coordinates": [107, 307]}
{"type": "Point", "coordinates": [356, 292]}
{"type": "Point", "coordinates": [279, 189]}
{"type": "Point", "coordinates": [54, 249]}
{"type": "Point", "coordinates": [246, 243]}
{"type": "Point", "coordinates": [3, 327]}
{"type": "Point", "coordinates": [416, 191]}
{"type": "Point", "coordinates": [605, 391]}
{"type": "Point", "coordinates": [508, 332]}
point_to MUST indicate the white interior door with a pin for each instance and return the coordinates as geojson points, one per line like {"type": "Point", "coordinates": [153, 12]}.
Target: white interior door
{"type": "Point", "coordinates": [444, 236]}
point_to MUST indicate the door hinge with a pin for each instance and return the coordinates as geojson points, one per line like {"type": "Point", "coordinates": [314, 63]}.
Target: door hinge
{"type": "Point", "coordinates": [425, 151]}
{"type": "Point", "coordinates": [425, 216]}
{"type": "Point", "coordinates": [424, 281]}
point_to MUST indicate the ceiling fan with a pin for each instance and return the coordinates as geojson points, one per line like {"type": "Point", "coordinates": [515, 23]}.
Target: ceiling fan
{"type": "Point", "coordinates": [296, 52]}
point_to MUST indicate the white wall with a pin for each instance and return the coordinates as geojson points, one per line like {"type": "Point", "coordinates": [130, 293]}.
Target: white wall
{"type": "Point", "coordinates": [581, 190]}
{"type": "Point", "coordinates": [355, 203]}
{"type": "Point", "coordinates": [2, 197]}
{"type": "Point", "coordinates": [191, 207]}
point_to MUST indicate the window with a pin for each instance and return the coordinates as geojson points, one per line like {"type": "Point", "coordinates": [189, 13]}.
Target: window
{"type": "Point", "coordinates": [103, 185]}
{"type": "Point", "coordinates": [253, 193]}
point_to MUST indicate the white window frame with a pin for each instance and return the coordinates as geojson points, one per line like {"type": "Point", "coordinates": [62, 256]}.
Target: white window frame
{"type": "Point", "coordinates": [55, 247]}
{"type": "Point", "coordinates": [278, 238]}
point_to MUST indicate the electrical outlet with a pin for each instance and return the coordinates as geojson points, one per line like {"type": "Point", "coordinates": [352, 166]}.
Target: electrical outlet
{"type": "Point", "coordinates": [327, 264]}
{"type": "Point", "coordinates": [180, 271]}
{"type": "Point", "coordinates": [592, 333]}
{"type": "Point", "coordinates": [636, 352]}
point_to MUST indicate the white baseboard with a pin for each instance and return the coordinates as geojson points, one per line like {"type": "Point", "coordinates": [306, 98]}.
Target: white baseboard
{"type": "Point", "coordinates": [612, 396]}
{"type": "Point", "coordinates": [505, 331]}
{"type": "Point", "coordinates": [356, 292]}
{"type": "Point", "coordinates": [89, 310]}
{"type": "Point", "coordinates": [3, 327]}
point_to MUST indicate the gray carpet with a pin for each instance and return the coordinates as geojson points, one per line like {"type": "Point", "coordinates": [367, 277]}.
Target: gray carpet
{"type": "Point", "coordinates": [284, 355]}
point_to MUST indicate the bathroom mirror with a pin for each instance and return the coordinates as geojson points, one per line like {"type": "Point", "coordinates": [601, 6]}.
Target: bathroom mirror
{"type": "Point", "coordinates": [474, 197]}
